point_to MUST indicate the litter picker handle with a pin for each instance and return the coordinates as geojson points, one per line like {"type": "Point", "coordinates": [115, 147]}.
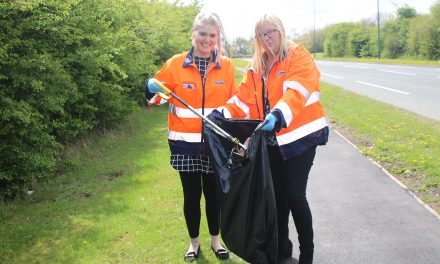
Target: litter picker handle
{"type": "Point", "coordinates": [163, 87]}
{"type": "Point", "coordinates": [212, 124]}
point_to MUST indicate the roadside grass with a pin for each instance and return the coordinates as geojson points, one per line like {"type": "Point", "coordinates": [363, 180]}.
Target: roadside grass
{"type": "Point", "coordinates": [121, 202]}
{"type": "Point", "coordinates": [411, 61]}
{"type": "Point", "coordinates": [407, 145]}
{"type": "Point", "coordinates": [240, 63]}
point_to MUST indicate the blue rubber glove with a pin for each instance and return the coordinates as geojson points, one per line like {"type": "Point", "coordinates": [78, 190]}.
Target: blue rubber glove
{"type": "Point", "coordinates": [269, 122]}
{"type": "Point", "coordinates": [153, 87]}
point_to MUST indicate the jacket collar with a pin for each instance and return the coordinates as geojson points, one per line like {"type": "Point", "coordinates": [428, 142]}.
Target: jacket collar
{"type": "Point", "coordinates": [190, 56]}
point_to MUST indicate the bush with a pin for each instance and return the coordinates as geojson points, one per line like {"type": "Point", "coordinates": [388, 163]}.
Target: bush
{"type": "Point", "coordinates": [336, 42]}
{"type": "Point", "coordinates": [358, 38]}
{"type": "Point", "coordinates": [67, 67]}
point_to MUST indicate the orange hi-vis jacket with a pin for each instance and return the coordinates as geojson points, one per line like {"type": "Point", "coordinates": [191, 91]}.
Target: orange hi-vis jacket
{"type": "Point", "coordinates": [293, 91]}
{"type": "Point", "coordinates": [182, 77]}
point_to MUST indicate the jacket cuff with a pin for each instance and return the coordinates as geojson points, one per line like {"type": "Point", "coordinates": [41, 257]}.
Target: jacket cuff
{"type": "Point", "coordinates": [281, 122]}
{"type": "Point", "coordinates": [148, 95]}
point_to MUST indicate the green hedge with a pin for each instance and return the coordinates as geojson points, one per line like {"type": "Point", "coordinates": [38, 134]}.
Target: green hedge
{"type": "Point", "coordinates": [405, 34]}
{"type": "Point", "coordinates": [67, 67]}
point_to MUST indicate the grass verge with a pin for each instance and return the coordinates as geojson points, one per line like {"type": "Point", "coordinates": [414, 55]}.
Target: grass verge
{"type": "Point", "coordinates": [240, 63]}
{"type": "Point", "coordinates": [122, 203]}
{"type": "Point", "coordinates": [406, 144]}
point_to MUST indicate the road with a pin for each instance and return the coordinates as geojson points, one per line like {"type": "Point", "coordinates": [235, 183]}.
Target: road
{"type": "Point", "coordinates": [362, 215]}
{"type": "Point", "coordinates": [414, 88]}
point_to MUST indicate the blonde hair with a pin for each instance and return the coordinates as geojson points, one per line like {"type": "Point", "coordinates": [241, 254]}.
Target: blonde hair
{"type": "Point", "coordinates": [212, 19]}
{"type": "Point", "coordinates": [259, 59]}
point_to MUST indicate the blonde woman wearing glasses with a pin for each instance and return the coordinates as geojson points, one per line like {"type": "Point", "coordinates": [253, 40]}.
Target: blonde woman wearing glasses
{"type": "Point", "coordinates": [282, 88]}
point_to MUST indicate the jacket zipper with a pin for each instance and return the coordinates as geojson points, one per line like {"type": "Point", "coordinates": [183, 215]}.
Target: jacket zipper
{"type": "Point", "coordinates": [203, 99]}
{"type": "Point", "coordinates": [265, 85]}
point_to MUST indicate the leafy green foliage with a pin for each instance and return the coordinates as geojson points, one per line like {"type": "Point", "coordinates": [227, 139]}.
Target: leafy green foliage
{"type": "Point", "coordinates": [358, 37]}
{"type": "Point", "coordinates": [396, 36]}
{"type": "Point", "coordinates": [336, 42]}
{"type": "Point", "coordinates": [435, 30]}
{"type": "Point", "coordinates": [67, 67]}
{"type": "Point", "coordinates": [407, 34]}
{"type": "Point", "coordinates": [420, 38]}
{"type": "Point", "coordinates": [406, 12]}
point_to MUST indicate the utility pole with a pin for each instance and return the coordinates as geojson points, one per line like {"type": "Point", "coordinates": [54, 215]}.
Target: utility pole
{"type": "Point", "coordinates": [314, 30]}
{"type": "Point", "coordinates": [378, 30]}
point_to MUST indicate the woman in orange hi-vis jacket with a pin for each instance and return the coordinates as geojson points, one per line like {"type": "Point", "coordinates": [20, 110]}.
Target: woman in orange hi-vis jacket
{"type": "Point", "coordinates": [282, 87]}
{"type": "Point", "coordinates": [204, 79]}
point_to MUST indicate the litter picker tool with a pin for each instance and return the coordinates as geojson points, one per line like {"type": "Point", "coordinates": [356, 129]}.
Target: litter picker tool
{"type": "Point", "coordinates": [216, 128]}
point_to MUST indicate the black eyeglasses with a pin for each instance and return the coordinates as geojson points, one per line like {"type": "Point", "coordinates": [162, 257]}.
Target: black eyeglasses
{"type": "Point", "coordinates": [270, 34]}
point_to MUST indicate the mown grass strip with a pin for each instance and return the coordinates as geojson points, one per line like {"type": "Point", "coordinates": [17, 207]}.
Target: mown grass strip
{"type": "Point", "coordinates": [406, 144]}
{"type": "Point", "coordinates": [122, 203]}
{"type": "Point", "coordinates": [238, 63]}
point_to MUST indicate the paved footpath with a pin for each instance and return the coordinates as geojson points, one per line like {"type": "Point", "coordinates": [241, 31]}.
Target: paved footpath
{"type": "Point", "coordinates": [361, 215]}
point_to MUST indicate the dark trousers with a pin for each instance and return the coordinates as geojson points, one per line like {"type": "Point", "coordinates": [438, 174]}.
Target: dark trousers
{"type": "Point", "coordinates": [192, 184]}
{"type": "Point", "coordinates": [290, 184]}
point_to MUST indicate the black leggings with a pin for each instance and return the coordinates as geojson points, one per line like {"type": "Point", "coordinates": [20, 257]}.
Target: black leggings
{"type": "Point", "coordinates": [290, 184]}
{"type": "Point", "coordinates": [193, 183]}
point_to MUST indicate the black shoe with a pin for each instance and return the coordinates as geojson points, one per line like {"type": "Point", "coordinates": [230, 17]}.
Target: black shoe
{"type": "Point", "coordinates": [288, 261]}
{"type": "Point", "coordinates": [285, 249]}
{"type": "Point", "coordinates": [221, 253]}
{"type": "Point", "coordinates": [305, 259]}
{"type": "Point", "coordinates": [191, 256]}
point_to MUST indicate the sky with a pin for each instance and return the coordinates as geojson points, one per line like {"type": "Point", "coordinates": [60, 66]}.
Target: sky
{"type": "Point", "coordinates": [239, 16]}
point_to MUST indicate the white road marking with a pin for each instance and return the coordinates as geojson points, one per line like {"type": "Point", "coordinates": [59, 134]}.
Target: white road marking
{"type": "Point", "coordinates": [359, 67]}
{"type": "Point", "coordinates": [332, 76]}
{"type": "Point", "coordinates": [383, 87]}
{"type": "Point", "coordinates": [407, 73]}
{"type": "Point", "coordinates": [402, 67]}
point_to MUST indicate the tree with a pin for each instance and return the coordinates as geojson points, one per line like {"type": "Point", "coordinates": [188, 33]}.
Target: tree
{"type": "Point", "coordinates": [370, 48]}
{"type": "Point", "coordinates": [358, 37]}
{"type": "Point", "coordinates": [435, 24]}
{"type": "Point", "coordinates": [68, 67]}
{"type": "Point", "coordinates": [396, 32]}
{"type": "Point", "coordinates": [420, 38]}
{"type": "Point", "coordinates": [336, 42]}
{"type": "Point", "coordinates": [406, 12]}
{"type": "Point", "coordinates": [307, 38]}
{"type": "Point", "coordinates": [242, 47]}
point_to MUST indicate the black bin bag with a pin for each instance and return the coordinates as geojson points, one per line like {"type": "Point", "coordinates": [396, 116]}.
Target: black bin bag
{"type": "Point", "coordinates": [248, 217]}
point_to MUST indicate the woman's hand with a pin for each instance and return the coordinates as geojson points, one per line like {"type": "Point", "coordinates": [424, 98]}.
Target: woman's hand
{"type": "Point", "coordinates": [269, 122]}
{"type": "Point", "coordinates": [153, 87]}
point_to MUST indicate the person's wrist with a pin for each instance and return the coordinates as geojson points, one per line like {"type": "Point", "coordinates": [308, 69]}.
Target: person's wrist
{"type": "Point", "coordinates": [278, 122]}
